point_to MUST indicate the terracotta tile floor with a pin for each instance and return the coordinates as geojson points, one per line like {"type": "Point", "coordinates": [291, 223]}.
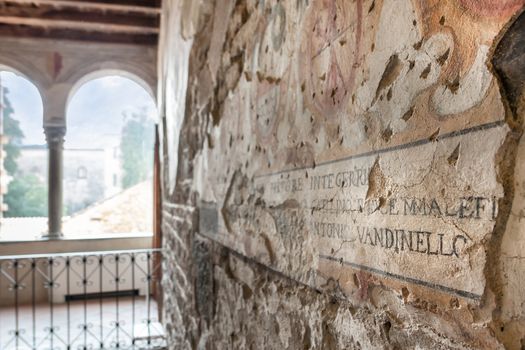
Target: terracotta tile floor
{"type": "Point", "coordinates": [101, 321]}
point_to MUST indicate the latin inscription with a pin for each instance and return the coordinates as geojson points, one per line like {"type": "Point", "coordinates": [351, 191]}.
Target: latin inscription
{"type": "Point", "coordinates": [349, 219]}
{"type": "Point", "coordinates": [421, 225]}
{"type": "Point", "coordinates": [404, 213]}
{"type": "Point", "coordinates": [471, 207]}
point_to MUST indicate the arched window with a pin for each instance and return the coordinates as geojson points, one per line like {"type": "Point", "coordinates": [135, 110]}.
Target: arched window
{"type": "Point", "coordinates": [23, 167]}
{"type": "Point", "coordinates": [82, 173]}
{"type": "Point", "coordinates": [110, 136]}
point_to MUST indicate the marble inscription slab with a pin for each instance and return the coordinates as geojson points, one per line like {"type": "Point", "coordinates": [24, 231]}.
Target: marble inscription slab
{"type": "Point", "coordinates": [342, 214]}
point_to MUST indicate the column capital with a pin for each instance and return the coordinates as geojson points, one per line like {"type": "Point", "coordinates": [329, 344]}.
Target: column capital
{"type": "Point", "coordinates": [55, 135]}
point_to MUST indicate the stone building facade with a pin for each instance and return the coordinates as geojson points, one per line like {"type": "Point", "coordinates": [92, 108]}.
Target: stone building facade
{"type": "Point", "coordinates": [343, 174]}
{"type": "Point", "coordinates": [90, 175]}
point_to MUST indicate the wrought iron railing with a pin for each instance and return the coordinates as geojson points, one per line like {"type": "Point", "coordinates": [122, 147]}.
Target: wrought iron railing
{"type": "Point", "coordinates": [95, 300]}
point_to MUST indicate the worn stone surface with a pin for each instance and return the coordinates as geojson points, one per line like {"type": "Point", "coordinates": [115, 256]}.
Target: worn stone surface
{"type": "Point", "coordinates": [342, 174]}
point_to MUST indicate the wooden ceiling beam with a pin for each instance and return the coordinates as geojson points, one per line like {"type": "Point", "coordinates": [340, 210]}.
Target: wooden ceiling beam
{"type": "Point", "coordinates": [77, 35]}
{"type": "Point", "coordinates": [85, 6]}
{"type": "Point", "coordinates": [46, 24]}
{"type": "Point", "coordinates": [142, 3]}
{"type": "Point", "coordinates": [46, 10]}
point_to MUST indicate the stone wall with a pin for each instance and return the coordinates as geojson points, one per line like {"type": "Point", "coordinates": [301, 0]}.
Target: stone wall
{"type": "Point", "coordinates": [343, 174]}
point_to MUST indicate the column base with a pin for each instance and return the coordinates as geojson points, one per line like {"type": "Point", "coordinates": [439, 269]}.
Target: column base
{"type": "Point", "coordinates": [52, 236]}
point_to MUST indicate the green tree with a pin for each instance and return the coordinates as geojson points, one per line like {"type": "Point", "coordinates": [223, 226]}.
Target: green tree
{"type": "Point", "coordinates": [136, 148]}
{"type": "Point", "coordinates": [26, 196]}
{"type": "Point", "coordinates": [13, 133]}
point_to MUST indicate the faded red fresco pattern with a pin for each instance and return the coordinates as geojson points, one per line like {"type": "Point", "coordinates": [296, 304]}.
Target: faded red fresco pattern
{"type": "Point", "coordinates": [331, 46]}
{"type": "Point", "coordinates": [493, 8]}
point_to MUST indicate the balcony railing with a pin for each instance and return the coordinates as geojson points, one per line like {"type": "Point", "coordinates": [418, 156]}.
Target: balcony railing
{"type": "Point", "coordinates": [95, 300]}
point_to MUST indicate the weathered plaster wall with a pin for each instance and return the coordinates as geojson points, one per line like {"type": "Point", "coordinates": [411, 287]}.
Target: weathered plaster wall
{"type": "Point", "coordinates": [343, 174]}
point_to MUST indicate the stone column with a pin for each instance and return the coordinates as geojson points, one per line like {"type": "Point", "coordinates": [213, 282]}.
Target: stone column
{"type": "Point", "coordinates": [55, 145]}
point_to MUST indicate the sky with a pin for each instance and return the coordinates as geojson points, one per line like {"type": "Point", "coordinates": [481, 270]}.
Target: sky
{"type": "Point", "coordinates": [94, 115]}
